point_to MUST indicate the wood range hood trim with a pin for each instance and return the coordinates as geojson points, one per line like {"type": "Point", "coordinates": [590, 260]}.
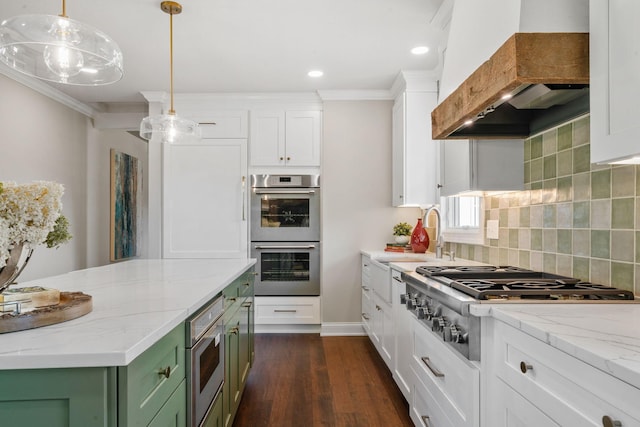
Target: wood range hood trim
{"type": "Point", "coordinates": [523, 60]}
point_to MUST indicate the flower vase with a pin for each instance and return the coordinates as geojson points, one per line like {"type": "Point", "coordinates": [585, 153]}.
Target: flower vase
{"type": "Point", "coordinates": [19, 256]}
{"type": "Point", "coordinates": [419, 238]}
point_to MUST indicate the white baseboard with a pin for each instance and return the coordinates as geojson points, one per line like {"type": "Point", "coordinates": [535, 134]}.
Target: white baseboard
{"type": "Point", "coordinates": [342, 329]}
{"type": "Point", "coordinates": [287, 329]}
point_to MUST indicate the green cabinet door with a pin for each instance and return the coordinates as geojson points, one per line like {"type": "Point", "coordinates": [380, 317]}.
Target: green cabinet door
{"type": "Point", "coordinates": [215, 417]}
{"type": "Point", "coordinates": [174, 411]}
{"type": "Point", "coordinates": [78, 397]}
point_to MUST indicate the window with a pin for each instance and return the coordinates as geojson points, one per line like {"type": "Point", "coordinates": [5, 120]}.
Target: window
{"type": "Point", "coordinates": [463, 218]}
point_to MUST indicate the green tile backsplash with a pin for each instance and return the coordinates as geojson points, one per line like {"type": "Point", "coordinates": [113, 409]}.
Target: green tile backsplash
{"type": "Point", "coordinates": [573, 218]}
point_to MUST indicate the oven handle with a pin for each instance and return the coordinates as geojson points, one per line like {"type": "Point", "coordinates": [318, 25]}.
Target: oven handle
{"type": "Point", "coordinates": [285, 246]}
{"type": "Point", "coordinates": [285, 191]}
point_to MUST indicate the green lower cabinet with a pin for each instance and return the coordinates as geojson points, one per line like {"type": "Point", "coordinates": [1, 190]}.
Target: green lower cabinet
{"type": "Point", "coordinates": [174, 411]}
{"type": "Point", "coordinates": [215, 417]}
{"type": "Point", "coordinates": [151, 379]}
{"type": "Point", "coordinates": [78, 397]}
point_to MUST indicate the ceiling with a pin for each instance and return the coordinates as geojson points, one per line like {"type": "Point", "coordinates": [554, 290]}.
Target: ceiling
{"type": "Point", "coordinates": [250, 46]}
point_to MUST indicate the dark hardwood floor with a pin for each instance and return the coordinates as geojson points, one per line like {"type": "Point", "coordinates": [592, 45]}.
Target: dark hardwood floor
{"type": "Point", "coordinates": [304, 380]}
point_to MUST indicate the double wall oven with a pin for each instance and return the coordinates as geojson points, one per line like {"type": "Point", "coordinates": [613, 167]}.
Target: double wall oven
{"type": "Point", "coordinates": [285, 234]}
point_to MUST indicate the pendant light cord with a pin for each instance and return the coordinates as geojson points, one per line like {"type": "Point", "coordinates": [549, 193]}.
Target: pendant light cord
{"type": "Point", "coordinates": [64, 9]}
{"type": "Point", "coordinates": [171, 110]}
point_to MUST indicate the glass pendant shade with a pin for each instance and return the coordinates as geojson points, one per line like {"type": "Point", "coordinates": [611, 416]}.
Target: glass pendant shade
{"type": "Point", "coordinates": [169, 127]}
{"type": "Point", "coordinates": [59, 49]}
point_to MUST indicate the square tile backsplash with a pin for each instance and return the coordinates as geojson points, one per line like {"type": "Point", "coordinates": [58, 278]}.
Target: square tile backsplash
{"type": "Point", "coordinates": [573, 218]}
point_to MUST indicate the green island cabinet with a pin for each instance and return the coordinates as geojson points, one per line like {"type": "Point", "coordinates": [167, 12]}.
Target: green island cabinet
{"type": "Point", "coordinates": [150, 391]}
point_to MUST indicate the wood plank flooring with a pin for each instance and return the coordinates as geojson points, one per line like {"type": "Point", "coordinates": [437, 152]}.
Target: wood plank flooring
{"type": "Point", "coordinates": [304, 380]}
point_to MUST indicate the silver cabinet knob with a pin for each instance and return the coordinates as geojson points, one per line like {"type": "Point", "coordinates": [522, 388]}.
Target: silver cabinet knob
{"type": "Point", "coordinates": [524, 367]}
{"type": "Point", "coordinates": [607, 421]}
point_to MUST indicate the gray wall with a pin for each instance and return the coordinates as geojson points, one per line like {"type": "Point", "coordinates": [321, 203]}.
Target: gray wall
{"type": "Point", "coordinates": [356, 204]}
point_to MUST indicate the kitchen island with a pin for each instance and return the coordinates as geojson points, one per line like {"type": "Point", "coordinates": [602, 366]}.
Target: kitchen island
{"type": "Point", "coordinates": [92, 371]}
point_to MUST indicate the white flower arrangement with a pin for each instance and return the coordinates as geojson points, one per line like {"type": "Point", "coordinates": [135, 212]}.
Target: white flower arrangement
{"type": "Point", "coordinates": [28, 213]}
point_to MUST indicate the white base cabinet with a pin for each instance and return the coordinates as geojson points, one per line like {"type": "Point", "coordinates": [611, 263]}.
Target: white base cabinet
{"type": "Point", "coordinates": [445, 384]}
{"type": "Point", "coordinates": [287, 310]}
{"type": "Point", "coordinates": [531, 383]}
{"type": "Point", "coordinates": [403, 336]}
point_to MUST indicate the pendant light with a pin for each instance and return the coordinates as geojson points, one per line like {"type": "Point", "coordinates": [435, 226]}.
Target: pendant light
{"type": "Point", "coordinates": [59, 49]}
{"type": "Point", "coordinates": [169, 126]}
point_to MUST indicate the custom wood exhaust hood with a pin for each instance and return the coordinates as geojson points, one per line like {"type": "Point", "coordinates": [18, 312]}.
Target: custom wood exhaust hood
{"type": "Point", "coordinates": [532, 82]}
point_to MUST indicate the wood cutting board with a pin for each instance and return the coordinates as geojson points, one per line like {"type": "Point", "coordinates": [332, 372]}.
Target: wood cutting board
{"type": "Point", "coordinates": [71, 306]}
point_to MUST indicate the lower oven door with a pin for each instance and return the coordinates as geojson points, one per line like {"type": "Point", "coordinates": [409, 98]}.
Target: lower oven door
{"type": "Point", "coordinates": [287, 268]}
{"type": "Point", "coordinates": [207, 372]}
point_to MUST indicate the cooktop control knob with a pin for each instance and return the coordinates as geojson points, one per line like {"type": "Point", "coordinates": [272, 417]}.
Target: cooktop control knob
{"type": "Point", "coordinates": [457, 334]}
{"type": "Point", "coordinates": [424, 312]}
{"type": "Point", "coordinates": [412, 303]}
{"type": "Point", "coordinates": [404, 298]}
{"type": "Point", "coordinates": [439, 324]}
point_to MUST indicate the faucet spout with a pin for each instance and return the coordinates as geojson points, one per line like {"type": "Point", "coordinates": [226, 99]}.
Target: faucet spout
{"type": "Point", "coordinates": [439, 242]}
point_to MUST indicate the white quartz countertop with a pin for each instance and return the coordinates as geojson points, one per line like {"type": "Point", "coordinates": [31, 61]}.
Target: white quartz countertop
{"type": "Point", "coordinates": [135, 303]}
{"type": "Point", "coordinates": [606, 336]}
{"type": "Point", "coordinates": [408, 261]}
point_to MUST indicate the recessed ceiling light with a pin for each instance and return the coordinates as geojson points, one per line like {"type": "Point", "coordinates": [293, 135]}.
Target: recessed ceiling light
{"type": "Point", "coordinates": [315, 73]}
{"type": "Point", "coordinates": [420, 50]}
{"type": "Point", "coordinates": [507, 96]}
{"type": "Point", "coordinates": [468, 122]}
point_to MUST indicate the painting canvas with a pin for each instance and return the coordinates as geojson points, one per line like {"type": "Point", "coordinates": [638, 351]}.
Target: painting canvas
{"type": "Point", "coordinates": [125, 208]}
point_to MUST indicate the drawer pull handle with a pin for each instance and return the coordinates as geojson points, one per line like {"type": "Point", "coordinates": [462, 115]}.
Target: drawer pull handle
{"type": "Point", "coordinates": [524, 367]}
{"type": "Point", "coordinates": [166, 372]}
{"type": "Point", "coordinates": [433, 370]}
{"type": "Point", "coordinates": [365, 289]}
{"type": "Point", "coordinates": [607, 421]}
{"type": "Point", "coordinates": [231, 299]}
{"type": "Point", "coordinates": [378, 308]}
{"type": "Point", "coordinates": [425, 421]}
{"type": "Point", "coordinates": [399, 280]}
{"type": "Point", "coordinates": [365, 317]}
{"type": "Point", "coordinates": [247, 305]}
{"type": "Point", "coordinates": [285, 311]}
{"type": "Point", "coordinates": [234, 330]}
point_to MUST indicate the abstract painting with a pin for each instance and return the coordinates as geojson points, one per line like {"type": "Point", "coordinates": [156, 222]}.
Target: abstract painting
{"type": "Point", "coordinates": [125, 206]}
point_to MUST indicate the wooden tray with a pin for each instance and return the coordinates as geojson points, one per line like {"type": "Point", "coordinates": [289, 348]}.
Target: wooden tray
{"type": "Point", "coordinates": [71, 306]}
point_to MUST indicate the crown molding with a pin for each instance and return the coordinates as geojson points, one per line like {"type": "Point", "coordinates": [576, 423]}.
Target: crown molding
{"type": "Point", "coordinates": [355, 95]}
{"type": "Point", "coordinates": [48, 91]}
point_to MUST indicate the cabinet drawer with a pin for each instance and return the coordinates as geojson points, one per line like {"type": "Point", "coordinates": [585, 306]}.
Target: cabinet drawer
{"type": "Point", "coordinates": [365, 266]}
{"type": "Point", "coordinates": [568, 390]}
{"type": "Point", "coordinates": [453, 381]}
{"type": "Point", "coordinates": [425, 410]}
{"type": "Point", "coordinates": [287, 310]}
{"type": "Point", "coordinates": [224, 124]}
{"type": "Point", "coordinates": [147, 383]}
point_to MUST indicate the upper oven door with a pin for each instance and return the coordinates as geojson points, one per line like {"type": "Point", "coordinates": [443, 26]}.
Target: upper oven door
{"type": "Point", "coordinates": [285, 214]}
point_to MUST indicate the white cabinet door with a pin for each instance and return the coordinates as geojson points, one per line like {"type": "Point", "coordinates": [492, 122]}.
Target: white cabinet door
{"type": "Point", "coordinates": [223, 124]}
{"type": "Point", "coordinates": [205, 199]}
{"type": "Point", "coordinates": [481, 165]}
{"type": "Point", "coordinates": [302, 138]}
{"type": "Point", "coordinates": [614, 40]}
{"type": "Point", "coordinates": [414, 153]}
{"type": "Point", "coordinates": [267, 138]}
{"type": "Point", "coordinates": [403, 337]}
{"type": "Point", "coordinates": [280, 138]}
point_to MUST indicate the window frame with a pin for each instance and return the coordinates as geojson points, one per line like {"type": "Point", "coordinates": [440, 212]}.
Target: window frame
{"type": "Point", "coordinates": [467, 235]}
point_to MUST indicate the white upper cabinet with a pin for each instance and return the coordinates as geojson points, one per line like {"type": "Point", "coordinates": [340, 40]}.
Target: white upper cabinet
{"type": "Point", "coordinates": [280, 138]}
{"type": "Point", "coordinates": [205, 199]}
{"type": "Point", "coordinates": [481, 165]}
{"type": "Point", "coordinates": [414, 154]}
{"type": "Point", "coordinates": [614, 42]}
{"type": "Point", "coordinates": [224, 124]}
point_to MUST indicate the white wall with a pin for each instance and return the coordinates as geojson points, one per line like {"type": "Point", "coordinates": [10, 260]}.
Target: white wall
{"type": "Point", "coordinates": [356, 199]}
{"type": "Point", "coordinates": [44, 140]}
{"type": "Point", "coordinates": [98, 180]}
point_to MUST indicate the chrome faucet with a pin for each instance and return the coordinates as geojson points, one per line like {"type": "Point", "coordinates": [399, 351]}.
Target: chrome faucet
{"type": "Point", "coordinates": [425, 221]}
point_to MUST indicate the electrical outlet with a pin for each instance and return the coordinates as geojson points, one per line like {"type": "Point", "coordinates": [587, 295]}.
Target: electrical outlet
{"type": "Point", "coordinates": [492, 229]}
